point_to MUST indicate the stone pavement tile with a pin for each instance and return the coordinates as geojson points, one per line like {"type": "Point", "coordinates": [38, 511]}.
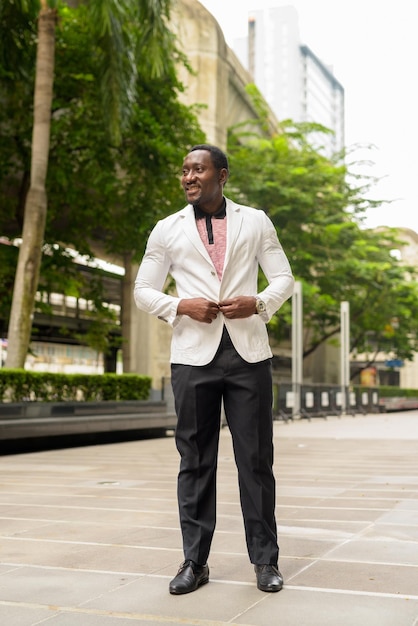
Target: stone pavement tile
{"type": "Point", "coordinates": [58, 587]}
{"type": "Point", "coordinates": [95, 533]}
{"type": "Point", "coordinates": [229, 523]}
{"type": "Point", "coordinates": [302, 491]}
{"type": "Point", "coordinates": [108, 515]}
{"type": "Point", "coordinates": [294, 502]}
{"type": "Point", "coordinates": [133, 503]}
{"type": "Point", "coordinates": [229, 542]}
{"type": "Point", "coordinates": [368, 491]}
{"type": "Point", "coordinates": [66, 513]}
{"type": "Point", "coordinates": [231, 568]}
{"type": "Point", "coordinates": [98, 557]}
{"type": "Point", "coordinates": [364, 576]}
{"type": "Point", "coordinates": [298, 607]}
{"type": "Point", "coordinates": [157, 537]}
{"type": "Point", "coordinates": [33, 552]}
{"type": "Point", "coordinates": [126, 559]}
{"type": "Point", "coordinates": [407, 485]}
{"type": "Point", "coordinates": [75, 486]}
{"type": "Point", "coordinates": [66, 532]}
{"type": "Point", "coordinates": [305, 547]}
{"type": "Point", "coordinates": [229, 509]}
{"type": "Point", "coordinates": [361, 502]}
{"type": "Point", "coordinates": [401, 518]}
{"type": "Point", "coordinates": [322, 529]}
{"type": "Point", "coordinates": [12, 526]}
{"type": "Point", "coordinates": [407, 505]}
{"type": "Point", "coordinates": [330, 513]}
{"type": "Point", "coordinates": [7, 567]}
{"type": "Point", "coordinates": [378, 551]}
{"type": "Point", "coordinates": [290, 566]}
{"type": "Point", "coordinates": [18, 615]}
{"type": "Point", "coordinates": [45, 466]}
{"type": "Point", "coordinates": [215, 601]}
{"type": "Point", "coordinates": [389, 531]}
{"type": "Point", "coordinates": [141, 559]}
{"type": "Point", "coordinates": [81, 618]}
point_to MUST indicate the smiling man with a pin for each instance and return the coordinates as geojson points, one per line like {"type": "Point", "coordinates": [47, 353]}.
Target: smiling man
{"type": "Point", "coordinates": [213, 249]}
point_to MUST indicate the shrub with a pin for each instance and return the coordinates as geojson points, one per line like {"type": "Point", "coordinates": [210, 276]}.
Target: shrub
{"type": "Point", "coordinates": [18, 385]}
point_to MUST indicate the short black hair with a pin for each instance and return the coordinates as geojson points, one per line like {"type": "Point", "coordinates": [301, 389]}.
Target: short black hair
{"type": "Point", "coordinates": [219, 158]}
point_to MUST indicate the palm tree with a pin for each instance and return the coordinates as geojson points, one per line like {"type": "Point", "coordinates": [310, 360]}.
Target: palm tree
{"type": "Point", "coordinates": [30, 253]}
{"type": "Point", "coordinates": [121, 29]}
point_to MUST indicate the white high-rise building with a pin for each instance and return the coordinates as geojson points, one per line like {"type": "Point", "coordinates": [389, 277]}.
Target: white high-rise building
{"type": "Point", "coordinates": [293, 80]}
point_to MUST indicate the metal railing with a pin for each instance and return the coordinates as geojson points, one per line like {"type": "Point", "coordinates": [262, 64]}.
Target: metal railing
{"type": "Point", "coordinates": [318, 400]}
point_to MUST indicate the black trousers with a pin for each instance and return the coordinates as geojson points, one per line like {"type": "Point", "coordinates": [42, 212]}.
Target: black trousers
{"type": "Point", "coordinates": [246, 392]}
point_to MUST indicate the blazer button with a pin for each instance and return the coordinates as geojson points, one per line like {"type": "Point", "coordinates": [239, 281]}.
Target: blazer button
{"type": "Point", "coordinates": [213, 273]}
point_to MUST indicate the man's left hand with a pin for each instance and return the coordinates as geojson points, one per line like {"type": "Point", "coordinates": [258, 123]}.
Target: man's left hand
{"type": "Point", "coordinates": [238, 308]}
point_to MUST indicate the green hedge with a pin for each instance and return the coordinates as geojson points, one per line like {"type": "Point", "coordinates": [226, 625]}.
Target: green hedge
{"type": "Point", "coordinates": [397, 392]}
{"type": "Point", "coordinates": [22, 385]}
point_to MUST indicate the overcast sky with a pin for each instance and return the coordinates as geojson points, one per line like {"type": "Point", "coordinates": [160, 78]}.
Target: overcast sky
{"type": "Point", "coordinates": [371, 46]}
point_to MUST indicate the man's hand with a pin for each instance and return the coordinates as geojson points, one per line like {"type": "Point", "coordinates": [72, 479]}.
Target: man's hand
{"type": "Point", "coordinates": [238, 308]}
{"type": "Point", "coordinates": [198, 309]}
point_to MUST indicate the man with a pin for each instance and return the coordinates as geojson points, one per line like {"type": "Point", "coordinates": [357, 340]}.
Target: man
{"type": "Point", "coordinates": [219, 353]}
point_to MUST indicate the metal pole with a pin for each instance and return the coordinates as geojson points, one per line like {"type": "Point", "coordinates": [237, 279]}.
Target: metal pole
{"type": "Point", "coordinates": [297, 348]}
{"type": "Point", "coordinates": [345, 354]}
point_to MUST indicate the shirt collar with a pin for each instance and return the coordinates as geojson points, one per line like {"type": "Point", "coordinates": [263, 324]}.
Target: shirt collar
{"type": "Point", "coordinates": [219, 215]}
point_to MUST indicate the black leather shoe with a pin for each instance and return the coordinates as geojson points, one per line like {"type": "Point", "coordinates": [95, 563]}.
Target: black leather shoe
{"type": "Point", "coordinates": [189, 577]}
{"type": "Point", "coordinates": [268, 577]}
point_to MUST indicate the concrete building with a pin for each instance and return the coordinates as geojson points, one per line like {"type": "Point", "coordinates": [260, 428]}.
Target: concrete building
{"type": "Point", "coordinates": [293, 80]}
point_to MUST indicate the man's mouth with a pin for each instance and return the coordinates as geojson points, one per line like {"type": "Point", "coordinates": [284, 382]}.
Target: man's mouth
{"type": "Point", "coordinates": [192, 189]}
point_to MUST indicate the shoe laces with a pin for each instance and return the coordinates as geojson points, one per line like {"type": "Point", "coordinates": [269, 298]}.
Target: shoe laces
{"type": "Point", "coordinates": [192, 564]}
{"type": "Point", "coordinates": [269, 568]}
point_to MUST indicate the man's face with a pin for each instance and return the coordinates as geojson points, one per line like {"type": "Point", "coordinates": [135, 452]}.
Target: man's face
{"type": "Point", "coordinates": [202, 183]}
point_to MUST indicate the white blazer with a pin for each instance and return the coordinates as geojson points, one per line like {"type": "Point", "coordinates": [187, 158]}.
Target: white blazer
{"type": "Point", "coordinates": [175, 247]}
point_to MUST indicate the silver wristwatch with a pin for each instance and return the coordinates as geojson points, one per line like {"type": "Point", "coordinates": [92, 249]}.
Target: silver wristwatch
{"type": "Point", "coordinates": [260, 306]}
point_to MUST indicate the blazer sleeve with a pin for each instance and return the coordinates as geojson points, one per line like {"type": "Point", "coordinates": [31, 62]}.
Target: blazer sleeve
{"type": "Point", "coordinates": [276, 268]}
{"type": "Point", "coordinates": [151, 277]}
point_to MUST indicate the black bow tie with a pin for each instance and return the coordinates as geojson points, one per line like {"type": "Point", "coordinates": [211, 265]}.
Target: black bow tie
{"type": "Point", "coordinates": [219, 215]}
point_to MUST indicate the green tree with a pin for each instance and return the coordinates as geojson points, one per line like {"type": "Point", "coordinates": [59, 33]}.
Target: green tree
{"type": "Point", "coordinates": [30, 253]}
{"type": "Point", "coordinates": [317, 206]}
{"type": "Point", "coordinates": [103, 196]}
{"type": "Point", "coordinates": [117, 46]}
{"type": "Point", "coordinates": [128, 186]}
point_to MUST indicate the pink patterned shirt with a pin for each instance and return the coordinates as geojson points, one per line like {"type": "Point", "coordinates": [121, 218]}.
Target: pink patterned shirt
{"type": "Point", "coordinates": [216, 250]}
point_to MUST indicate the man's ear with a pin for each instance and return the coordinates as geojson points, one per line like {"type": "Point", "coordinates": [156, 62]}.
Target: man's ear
{"type": "Point", "coordinates": [223, 175]}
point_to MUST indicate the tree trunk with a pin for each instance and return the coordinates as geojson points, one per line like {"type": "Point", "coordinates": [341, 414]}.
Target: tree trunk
{"type": "Point", "coordinates": [30, 253]}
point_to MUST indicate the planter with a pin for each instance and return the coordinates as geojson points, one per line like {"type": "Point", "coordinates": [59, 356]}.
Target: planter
{"type": "Point", "coordinates": [19, 420]}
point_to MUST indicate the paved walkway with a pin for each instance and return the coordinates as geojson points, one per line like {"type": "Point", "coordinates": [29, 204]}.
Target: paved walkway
{"type": "Point", "coordinates": [89, 536]}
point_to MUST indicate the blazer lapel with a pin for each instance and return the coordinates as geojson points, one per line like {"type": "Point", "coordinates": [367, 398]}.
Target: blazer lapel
{"type": "Point", "coordinates": [233, 226]}
{"type": "Point", "coordinates": [191, 232]}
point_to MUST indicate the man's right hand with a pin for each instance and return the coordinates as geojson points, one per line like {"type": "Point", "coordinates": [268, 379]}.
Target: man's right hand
{"type": "Point", "coordinates": [198, 309]}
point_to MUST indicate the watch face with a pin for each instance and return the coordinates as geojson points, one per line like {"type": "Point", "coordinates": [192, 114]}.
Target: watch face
{"type": "Point", "coordinates": [261, 307]}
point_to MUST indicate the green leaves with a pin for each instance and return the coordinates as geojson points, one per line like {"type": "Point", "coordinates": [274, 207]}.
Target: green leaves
{"type": "Point", "coordinates": [317, 206]}
{"type": "Point", "coordinates": [118, 133]}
